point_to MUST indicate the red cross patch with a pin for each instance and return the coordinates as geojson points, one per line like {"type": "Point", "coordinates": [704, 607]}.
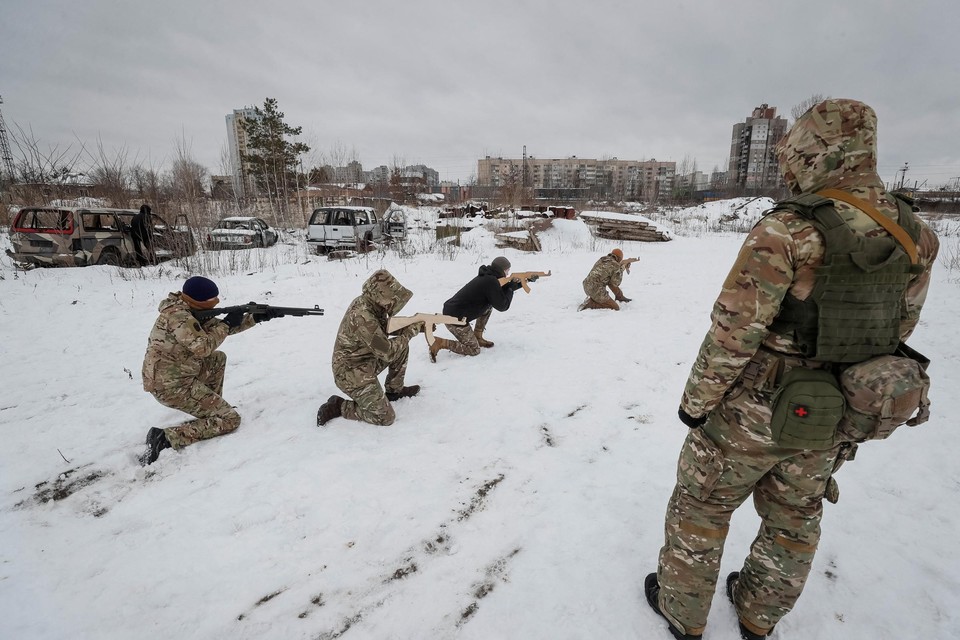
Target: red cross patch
{"type": "Point", "coordinates": [801, 411]}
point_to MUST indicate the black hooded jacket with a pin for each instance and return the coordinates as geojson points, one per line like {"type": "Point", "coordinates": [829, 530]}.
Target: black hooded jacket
{"type": "Point", "coordinates": [481, 293]}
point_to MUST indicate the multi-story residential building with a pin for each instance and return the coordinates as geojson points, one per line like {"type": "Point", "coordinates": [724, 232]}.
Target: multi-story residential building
{"type": "Point", "coordinates": [243, 184]}
{"type": "Point", "coordinates": [753, 164]}
{"type": "Point", "coordinates": [573, 176]}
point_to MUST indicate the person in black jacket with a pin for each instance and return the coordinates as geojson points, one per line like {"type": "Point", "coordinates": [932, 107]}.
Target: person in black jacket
{"type": "Point", "coordinates": [141, 229]}
{"type": "Point", "coordinates": [475, 301]}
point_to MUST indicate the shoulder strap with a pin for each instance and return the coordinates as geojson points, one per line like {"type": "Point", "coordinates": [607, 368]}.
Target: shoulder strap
{"type": "Point", "coordinates": [891, 226]}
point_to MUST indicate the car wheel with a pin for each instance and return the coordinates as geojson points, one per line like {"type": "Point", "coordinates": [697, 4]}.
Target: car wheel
{"type": "Point", "coordinates": [109, 257]}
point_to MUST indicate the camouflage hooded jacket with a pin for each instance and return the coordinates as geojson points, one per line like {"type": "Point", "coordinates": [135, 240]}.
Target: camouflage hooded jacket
{"type": "Point", "coordinates": [606, 271]}
{"type": "Point", "coordinates": [178, 344]}
{"type": "Point", "coordinates": [831, 146]}
{"type": "Point", "coordinates": [363, 331]}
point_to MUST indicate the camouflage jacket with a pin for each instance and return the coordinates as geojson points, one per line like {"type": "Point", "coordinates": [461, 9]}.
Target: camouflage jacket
{"type": "Point", "coordinates": [178, 344]}
{"type": "Point", "coordinates": [605, 272]}
{"type": "Point", "coordinates": [831, 146]}
{"type": "Point", "coordinates": [362, 335]}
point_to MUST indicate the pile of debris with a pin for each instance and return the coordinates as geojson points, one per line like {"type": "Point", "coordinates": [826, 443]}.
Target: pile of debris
{"type": "Point", "coordinates": [623, 226]}
{"type": "Point", "coordinates": [522, 240]}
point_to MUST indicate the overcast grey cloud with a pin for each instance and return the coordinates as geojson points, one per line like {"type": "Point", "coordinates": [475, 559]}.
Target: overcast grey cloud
{"type": "Point", "coordinates": [445, 83]}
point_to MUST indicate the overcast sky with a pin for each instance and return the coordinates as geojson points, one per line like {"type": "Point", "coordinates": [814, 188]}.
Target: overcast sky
{"type": "Point", "coordinates": [444, 83]}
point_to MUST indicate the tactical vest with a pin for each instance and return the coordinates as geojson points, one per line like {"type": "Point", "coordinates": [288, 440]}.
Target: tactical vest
{"type": "Point", "coordinates": [853, 313]}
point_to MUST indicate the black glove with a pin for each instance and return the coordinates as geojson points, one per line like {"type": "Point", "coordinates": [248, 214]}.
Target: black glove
{"type": "Point", "coordinates": [266, 316]}
{"type": "Point", "coordinates": [233, 319]}
{"type": "Point", "coordinates": [513, 285]}
{"type": "Point", "coordinates": [690, 421]}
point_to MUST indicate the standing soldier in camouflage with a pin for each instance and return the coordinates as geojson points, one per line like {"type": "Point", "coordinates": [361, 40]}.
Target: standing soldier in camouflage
{"type": "Point", "coordinates": [363, 349]}
{"type": "Point", "coordinates": [183, 369]}
{"type": "Point", "coordinates": [606, 272]}
{"type": "Point", "coordinates": [476, 301]}
{"type": "Point", "coordinates": [765, 335]}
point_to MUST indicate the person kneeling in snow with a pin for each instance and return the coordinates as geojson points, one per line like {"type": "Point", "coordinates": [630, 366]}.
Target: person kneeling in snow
{"type": "Point", "coordinates": [363, 349]}
{"type": "Point", "coordinates": [606, 272]}
{"type": "Point", "coordinates": [476, 301]}
{"type": "Point", "coordinates": [183, 370]}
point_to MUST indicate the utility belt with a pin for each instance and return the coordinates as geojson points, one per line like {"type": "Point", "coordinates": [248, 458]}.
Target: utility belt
{"type": "Point", "coordinates": [817, 405]}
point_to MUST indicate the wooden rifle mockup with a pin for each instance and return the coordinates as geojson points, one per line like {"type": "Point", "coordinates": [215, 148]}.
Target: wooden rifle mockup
{"type": "Point", "coordinates": [523, 277]}
{"type": "Point", "coordinates": [429, 320]}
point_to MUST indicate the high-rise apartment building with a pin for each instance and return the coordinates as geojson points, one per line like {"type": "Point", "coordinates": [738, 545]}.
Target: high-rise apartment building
{"type": "Point", "coordinates": [753, 164]}
{"type": "Point", "coordinates": [642, 179]}
{"type": "Point", "coordinates": [243, 185]}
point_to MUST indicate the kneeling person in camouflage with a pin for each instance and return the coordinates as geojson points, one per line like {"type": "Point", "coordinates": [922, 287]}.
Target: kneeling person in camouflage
{"type": "Point", "coordinates": [606, 272]}
{"type": "Point", "coordinates": [183, 369]}
{"type": "Point", "coordinates": [363, 349]}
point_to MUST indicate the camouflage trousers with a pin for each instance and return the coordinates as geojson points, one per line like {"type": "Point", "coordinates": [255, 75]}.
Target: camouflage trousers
{"type": "Point", "coordinates": [730, 458]}
{"type": "Point", "coordinates": [201, 399]}
{"type": "Point", "coordinates": [467, 344]}
{"type": "Point", "coordinates": [368, 401]}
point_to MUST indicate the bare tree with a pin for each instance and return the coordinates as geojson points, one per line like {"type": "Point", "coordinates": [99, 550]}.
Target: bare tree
{"type": "Point", "coordinates": [148, 184]}
{"type": "Point", "coordinates": [39, 173]}
{"type": "Point", "coordinates": [110, 173]}
{"type": "Point", "coordinates": [187, 177]}
{"type": "Point", "coordinates": [397, 191]}
{"type": "Point", "coordinates": [804, 105]}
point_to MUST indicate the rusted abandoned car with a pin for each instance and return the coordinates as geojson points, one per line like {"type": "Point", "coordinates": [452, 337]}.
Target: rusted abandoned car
{"type": "Point", "coordinates": [76, 237]}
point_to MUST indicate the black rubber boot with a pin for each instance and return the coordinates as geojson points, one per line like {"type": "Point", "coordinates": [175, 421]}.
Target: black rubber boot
{"type": "Point", "coordinates": [651, 589]}
{"type": "Point", "coordinates": [406, 392]}
{"type": "Point", "coordinates": [329, 410]}
{"type": "Point", "coordinates": [745, 633]}
{"type": "Point", "coordinates": [156, 442]}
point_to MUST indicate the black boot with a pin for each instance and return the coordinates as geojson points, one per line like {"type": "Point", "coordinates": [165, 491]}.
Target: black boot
{"type": "Point", "coordinates": [156, 442]}
{"type": "Point", "coordinates": [329, 410]}
{"type": "Point", "coordinates": [651, 589]}
{"type": "Point", "coordinates": [745, 633]}
{"type": "Point", "coordinates": [406, 392]}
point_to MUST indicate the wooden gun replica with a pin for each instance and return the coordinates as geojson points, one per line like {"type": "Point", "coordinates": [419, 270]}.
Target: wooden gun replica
{"type": "Point", "coordinates": [429, 320]}
{"type": "Point", "coordinates": [626, 262]}
{"type": "Point", "coordinates": [524, 277]}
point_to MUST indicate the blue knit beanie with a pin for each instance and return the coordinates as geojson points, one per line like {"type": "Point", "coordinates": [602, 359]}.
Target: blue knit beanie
{"type": "Point", "coordinates": [200, 289]}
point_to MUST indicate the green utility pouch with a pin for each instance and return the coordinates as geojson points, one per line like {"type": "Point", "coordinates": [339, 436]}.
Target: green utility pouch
{"type": "Point", "coordinates": [807, 409]}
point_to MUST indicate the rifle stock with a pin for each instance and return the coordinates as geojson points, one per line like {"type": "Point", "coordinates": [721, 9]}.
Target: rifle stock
{"type": "Point", "coordinates": [523, 277]}
{"type": "Point", "coordinates": [429, 320]}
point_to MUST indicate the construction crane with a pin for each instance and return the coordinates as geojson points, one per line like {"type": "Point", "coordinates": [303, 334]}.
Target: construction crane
{"type": "Point", "coordinates": [5, 156]}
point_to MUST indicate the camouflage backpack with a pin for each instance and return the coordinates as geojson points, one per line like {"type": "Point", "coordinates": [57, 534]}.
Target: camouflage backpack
{"type": "Point", "coordinates": [852, 321]}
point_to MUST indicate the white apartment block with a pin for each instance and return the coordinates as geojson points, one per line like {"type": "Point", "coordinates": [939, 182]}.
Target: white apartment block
{"type": "Point", "coordinates": [237, 141]}
{"type": "Point", "coordinates": [642, 179]}
{"type": "Point", "coordinates": [753, 164]}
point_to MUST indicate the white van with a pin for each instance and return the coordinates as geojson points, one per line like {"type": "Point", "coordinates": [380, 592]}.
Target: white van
{"type": "Point", "coordinates": [348, 228]}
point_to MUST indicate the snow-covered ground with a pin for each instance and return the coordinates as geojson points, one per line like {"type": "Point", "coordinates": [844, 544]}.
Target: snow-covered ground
{"type": "Point", "coordinates": [520, 495]}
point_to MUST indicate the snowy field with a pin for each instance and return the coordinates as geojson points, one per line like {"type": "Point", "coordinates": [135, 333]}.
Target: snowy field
{"type": "Point", "coordinates": [521, 495]}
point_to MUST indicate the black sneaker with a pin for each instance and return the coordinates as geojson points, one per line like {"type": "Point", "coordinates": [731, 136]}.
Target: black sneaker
{"type": "Point", "coordinates": [745, 633]}
{"type": "Point", "coordinates": [651, 589]}
{"type": "Point", "coordinates": [406, 392]}
{"type": "Point", "coordinates": [156, 442]}
{"type": "Point", "coordinates": [329, 410]}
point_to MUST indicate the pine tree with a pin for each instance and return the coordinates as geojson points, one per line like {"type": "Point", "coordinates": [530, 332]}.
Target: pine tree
{"type": "Point", "coordinates": [272, 158]}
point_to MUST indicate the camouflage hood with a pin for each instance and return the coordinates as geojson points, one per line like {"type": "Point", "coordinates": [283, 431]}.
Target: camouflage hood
{"type": "Point", "coordinates": [833, 145]}
{"type": "Point", "coordinates": [171, 300]}
{"type": "Point", "coordinates": [382, 290]}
